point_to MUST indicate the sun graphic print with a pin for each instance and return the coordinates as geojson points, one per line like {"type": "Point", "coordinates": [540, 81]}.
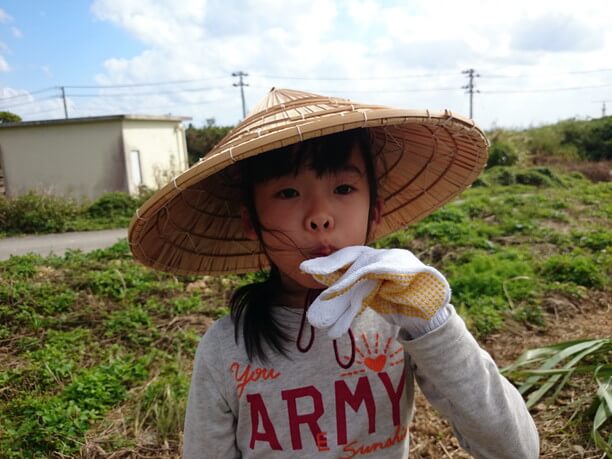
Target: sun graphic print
{"type": "Point", "coordinates": [374, 354]}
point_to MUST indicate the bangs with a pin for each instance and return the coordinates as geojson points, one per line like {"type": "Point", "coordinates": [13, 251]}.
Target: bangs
{"type": "Point", "coordinates": [323, 155]}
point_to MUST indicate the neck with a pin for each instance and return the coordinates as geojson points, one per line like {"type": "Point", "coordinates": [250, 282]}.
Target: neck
{"type": "Point", "coordinates": [292, 294]}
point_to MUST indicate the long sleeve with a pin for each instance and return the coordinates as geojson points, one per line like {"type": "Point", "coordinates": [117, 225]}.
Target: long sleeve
{"type": "Point", "coordinates": [210, 421]}
{"type": "Point", "coordinates": [461, 380]}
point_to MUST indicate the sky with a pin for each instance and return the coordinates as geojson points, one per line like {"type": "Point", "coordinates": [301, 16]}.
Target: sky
{"type": "Point", "coordinates": [534, 62]}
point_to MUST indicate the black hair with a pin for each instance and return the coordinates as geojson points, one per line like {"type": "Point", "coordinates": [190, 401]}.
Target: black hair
{"type": "Point", "coordinates": [250, 304]}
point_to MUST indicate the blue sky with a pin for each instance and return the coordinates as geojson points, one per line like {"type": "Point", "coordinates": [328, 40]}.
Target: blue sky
{"type": "Point", "coordinates": [538, 62]}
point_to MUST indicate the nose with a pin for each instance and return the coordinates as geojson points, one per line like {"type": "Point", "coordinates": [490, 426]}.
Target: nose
{"type": "Point", "coordinates": [319, 219]}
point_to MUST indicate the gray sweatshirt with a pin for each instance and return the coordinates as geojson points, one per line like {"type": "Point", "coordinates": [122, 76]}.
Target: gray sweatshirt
{"type": "Point", "coordinates": [309, 405]}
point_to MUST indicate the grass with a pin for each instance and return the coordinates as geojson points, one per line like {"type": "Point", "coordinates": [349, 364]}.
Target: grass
{"type": "Point", "coordinates": [97, 349]}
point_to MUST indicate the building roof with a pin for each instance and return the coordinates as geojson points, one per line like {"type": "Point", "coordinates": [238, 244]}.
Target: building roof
{"type": "Point", "coordinates": [94, 119]}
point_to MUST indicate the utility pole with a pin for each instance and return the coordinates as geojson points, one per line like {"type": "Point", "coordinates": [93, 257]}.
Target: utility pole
{"type": "Point", "coordinates": [64, 99]}
{"type": "Point", "coordinates": [603, 106]}
{"type": "Point", "coordinates": [470, 87]}
{"type": "Point", "coordinates": [242, 84]}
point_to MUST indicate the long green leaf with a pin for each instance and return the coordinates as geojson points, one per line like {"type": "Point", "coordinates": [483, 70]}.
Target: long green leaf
{"type": "Point", "coordinates": [603, 413]}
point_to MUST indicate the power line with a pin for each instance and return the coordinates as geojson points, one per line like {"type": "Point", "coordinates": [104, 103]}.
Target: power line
{"type": "Point", "coordinates": [27, 94]}
{"type": "Point", "coordinates": [572, 88]}
{"type": "Point", "coordinates": [378, 91]}
{"type": "Point", "coordinates": [30, 102]}
{"type": "Point", "coordinates": [396, 77]}
{"type": "Point", "coordinates": [136, 94]}
{"type": "Point", "coordinates": [135, 85]}
{"type": "Point", "coordinates": [547, 75]}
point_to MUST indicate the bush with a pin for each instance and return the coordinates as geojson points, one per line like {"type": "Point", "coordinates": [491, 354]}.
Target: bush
{"type": "Point", "coordinates": [533, 177]}
{"type": "Point", "coordinates": [502, 154]}
{"type": "Point", "coordinates": [34, 213]}
{"type": "Point", "coordinates": [576, 268]}
{"type": "Point", "coordinates": [112, 205]}
{"type": "Point", "coordinates": [4, 208]}
{"type": "Point", "coordinates": [592, 139]}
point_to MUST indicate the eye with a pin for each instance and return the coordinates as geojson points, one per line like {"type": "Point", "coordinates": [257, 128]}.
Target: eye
{"type": "Point", "coordinates": [287, 193]}
{"type": "Point", "coordinates": [344, 189]}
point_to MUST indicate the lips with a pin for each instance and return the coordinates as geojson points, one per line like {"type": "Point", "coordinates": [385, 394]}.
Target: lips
{"type": "Point", "coordinates": [323, 251]}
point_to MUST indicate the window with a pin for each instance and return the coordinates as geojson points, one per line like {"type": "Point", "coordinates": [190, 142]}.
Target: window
{"type": "Point", "coordinates": [135, 168]}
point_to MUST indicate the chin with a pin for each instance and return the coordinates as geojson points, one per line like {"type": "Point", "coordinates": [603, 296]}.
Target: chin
{"type": "Point", "coordinates": [305, 281]}
{"type": "Point", "coordinates": [314, 285]}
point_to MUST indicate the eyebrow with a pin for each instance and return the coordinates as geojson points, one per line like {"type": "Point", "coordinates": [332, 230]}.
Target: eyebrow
{"type": "Point", "coordinates": [349, 168]}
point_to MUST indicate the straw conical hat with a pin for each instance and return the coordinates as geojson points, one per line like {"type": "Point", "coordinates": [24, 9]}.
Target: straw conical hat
{"type": "Point", "coordinates": [193, 225]}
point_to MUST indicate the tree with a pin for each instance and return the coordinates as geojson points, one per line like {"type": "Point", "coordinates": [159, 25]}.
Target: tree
{"type": "Point", "coordinates": [8, 117]}
{"type": "Point", "coordinates": [201, 140]}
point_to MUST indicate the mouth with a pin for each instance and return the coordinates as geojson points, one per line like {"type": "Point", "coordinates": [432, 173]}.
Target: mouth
{"type": "Point", "coordinates": [323, 251]}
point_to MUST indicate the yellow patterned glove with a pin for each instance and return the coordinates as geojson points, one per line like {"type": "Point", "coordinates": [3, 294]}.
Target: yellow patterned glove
{"type": "Point", "coordinates": [393, 282]}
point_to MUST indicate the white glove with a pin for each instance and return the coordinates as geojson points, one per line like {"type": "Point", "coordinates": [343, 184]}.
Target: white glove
{"type": "Point", "coordinates": [393, 282]}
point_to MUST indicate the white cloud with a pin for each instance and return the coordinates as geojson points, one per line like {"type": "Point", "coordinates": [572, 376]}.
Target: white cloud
{"type": "Point", "coordinates": [4, 67]}
{"type": "Point", "coordinates": [4, 17]}
{"type": "Point", "coordinates": [361, 39]}
{"type": "Point", "coordinates": [556, 33]}
{"type": "Point", "coordinates": [159, 23]}
{"type": "Point", "coordinates": [17, 33]}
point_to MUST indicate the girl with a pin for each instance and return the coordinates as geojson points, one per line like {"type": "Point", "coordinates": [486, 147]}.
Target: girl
{"type": "Point", "coordinates": [302, 185]}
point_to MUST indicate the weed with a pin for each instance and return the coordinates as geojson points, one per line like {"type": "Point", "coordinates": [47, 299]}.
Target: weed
{"type": "Point", "coordinates": [22, 267]}
{"type": "Point", "coordinates": [486, 284]}
{"type": "Point", "coordinates": [162, 404]}
{"type": "Point", "coordinates": [111, 205]}
{"type": "Point", "coordinates": [38, 213]}
{"type": "Point", "coordinates": [133, 325]}
{"type": "Point", "coordinates": [545, 371]}
{"type": "Point", "coordinates": [40, 426]}
{"type": "Point", "coordinates": [501, 153]}
{"type": "Point", "coordinates": [593, 240]}
{"type": "Point", "coordinates": [576, 268]}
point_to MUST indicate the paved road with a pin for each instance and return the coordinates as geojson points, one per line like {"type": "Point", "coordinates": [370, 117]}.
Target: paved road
{"type": "Point", "coordinates": [59, 243]}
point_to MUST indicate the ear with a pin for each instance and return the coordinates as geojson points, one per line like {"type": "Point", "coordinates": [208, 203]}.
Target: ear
{"type": "Point", "coordinates": [247, 225]}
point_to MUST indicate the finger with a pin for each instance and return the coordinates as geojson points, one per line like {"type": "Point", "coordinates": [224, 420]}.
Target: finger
{"type": "Point", "coordinates": [344, 321]}
{"type": "Point", "coordinates": [331, 263]}
{"type": "Point", "coordinates": [323, 313]}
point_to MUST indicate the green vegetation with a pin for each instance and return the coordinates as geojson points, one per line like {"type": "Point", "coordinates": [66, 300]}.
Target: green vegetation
{"type": "Point", "coordinates": [43, 213]}
{"type": "Point", "coordinates": [9, 117]}
{"type": "Point", "coordinates": [87, 334]}
{"type": "Point", "coordinates": [201, 140]}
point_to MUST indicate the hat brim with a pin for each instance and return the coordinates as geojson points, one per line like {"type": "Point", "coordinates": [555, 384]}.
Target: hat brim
{"type": "Point", "coordinates": [193, 224]}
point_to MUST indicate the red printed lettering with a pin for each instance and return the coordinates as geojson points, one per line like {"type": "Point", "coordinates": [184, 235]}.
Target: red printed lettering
{"type": "Point", "coordinates": [395, 395]}
{"type": "Point", "coordinates": [355, 448]}
{"type": "Point", "coordinates": [344, 396]}
{"type": "Point", "coordinates": [249, 375]}
{"type": "Point", "coordinates": [322, 441]}
{"type": "Point", "coordinates": [295, 419]}
{"type": "Point", "coordinates": [258, 410]}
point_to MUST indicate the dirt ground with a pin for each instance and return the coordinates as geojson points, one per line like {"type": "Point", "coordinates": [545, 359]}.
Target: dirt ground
{"type": "Point", "coordinates": [562, 434]}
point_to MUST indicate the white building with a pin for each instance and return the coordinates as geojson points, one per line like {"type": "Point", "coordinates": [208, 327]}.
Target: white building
{"type": "Point", "coordinates": [86, 157]}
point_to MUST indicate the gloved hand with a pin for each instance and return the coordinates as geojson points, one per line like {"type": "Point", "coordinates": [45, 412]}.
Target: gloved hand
{"type": "Point", "coordinates": [393, 282]}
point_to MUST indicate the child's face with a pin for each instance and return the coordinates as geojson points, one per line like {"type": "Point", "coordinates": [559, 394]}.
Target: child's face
{"type": "Point", "coordinates": [304, 216]}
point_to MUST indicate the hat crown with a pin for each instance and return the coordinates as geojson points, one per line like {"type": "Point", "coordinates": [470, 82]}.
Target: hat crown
{"type": "Point", "coordinates": [276, 97]}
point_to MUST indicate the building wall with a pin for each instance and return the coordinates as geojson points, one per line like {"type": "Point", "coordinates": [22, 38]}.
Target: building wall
{"type": "Point", "coordinates": [78, 160]}
{"type": "Point", "coordinates": [161, 149]}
